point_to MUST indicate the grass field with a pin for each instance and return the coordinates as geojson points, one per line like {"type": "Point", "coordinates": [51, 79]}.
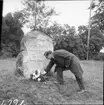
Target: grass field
{"type": "Point", "coordinates": [30, 93]}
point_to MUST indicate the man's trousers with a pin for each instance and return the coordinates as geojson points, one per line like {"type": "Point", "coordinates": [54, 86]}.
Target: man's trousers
{"type": "Point", "coordinates": [60, 70]}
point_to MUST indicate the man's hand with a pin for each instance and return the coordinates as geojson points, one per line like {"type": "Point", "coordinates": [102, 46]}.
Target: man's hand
{"type": "Point", "coordinates": [44, 73]}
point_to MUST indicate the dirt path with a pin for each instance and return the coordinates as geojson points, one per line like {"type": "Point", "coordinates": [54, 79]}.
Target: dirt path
{"type": "Point", "coordinates": [31, 93]}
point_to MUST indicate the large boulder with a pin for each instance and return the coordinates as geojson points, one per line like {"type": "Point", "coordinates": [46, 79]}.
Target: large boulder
{"type": "Point", "coordinates": [31, 57]}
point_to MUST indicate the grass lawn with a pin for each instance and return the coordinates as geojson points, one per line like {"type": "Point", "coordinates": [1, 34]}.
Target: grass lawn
{"type": "Point", "coordinates": [30, 93]}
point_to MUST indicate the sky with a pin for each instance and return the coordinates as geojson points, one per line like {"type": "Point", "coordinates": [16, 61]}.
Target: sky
{"type": "Point", "coordinates": [74, 13]}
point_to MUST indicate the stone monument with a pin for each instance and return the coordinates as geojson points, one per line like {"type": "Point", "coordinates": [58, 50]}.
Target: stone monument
{"type": "Point", "coordinates": [102, 54]}
{"type": "Point", "coordinates": [31, 57]}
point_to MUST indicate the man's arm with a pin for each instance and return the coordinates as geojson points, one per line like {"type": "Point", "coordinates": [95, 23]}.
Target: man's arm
{"type": "Point", "coordinates": [51, 63]}
{"type": "Point", "coordinates": [67, 62]}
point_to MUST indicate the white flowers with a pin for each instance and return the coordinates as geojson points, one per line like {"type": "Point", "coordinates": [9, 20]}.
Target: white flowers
{"type": "Point", "coordinates": [39, 79]}
{"type": "Point", "coordinates": [102, 50]}
{"type": "Point", "coordinates": [36, 75]}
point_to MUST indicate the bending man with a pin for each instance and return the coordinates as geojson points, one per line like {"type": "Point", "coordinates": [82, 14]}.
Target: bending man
{"type": "Point", "coordinates": [65, 60]}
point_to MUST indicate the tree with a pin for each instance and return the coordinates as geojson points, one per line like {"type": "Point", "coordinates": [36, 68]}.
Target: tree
{"type": "Point", "coordinates": [40, 14]}
{"type": "Point", "coordinates": [11, 34]}
{"type": "Point", "coordinates": [65, 37]}
{"type": "Point", "coordinates": [96, 40]}
{"type": "Point", "coordinates": [98, 18]}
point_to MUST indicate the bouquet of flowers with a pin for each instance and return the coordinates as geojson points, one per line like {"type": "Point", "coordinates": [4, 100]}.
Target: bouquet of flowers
{"type": "Point", "coordinates": [38, 76]}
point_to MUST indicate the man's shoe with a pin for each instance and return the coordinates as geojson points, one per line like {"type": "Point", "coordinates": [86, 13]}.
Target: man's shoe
{"type": "Point", "coordinates": [81, 91]}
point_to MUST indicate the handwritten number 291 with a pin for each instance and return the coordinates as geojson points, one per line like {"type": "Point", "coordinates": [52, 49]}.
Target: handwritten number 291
{"type": "Point", "coordinates": [15, 102]}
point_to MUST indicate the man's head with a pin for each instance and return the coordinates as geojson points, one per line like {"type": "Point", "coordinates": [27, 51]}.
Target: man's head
{"type": "Point", "coordinates": [48, 54]}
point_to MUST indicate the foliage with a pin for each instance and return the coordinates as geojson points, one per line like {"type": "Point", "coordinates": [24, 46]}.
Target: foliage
{"type": "Point", "coordinates": [65, 37]}
{"type": "Point", "coordinates": [96, 40]}
{"type": "Point", "coordinates": [11, 34]}
{"type": "Point", "coordinates": [38, 11]}
{"type": "Point", "coordinates": [98, 18]}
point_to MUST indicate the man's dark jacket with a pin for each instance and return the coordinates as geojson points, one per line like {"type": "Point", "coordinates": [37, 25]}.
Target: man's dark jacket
{"type": "Point", "coordinates": [65, 60]}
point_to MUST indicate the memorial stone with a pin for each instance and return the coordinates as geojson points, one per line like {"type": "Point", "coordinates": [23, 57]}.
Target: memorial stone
{"type": "Point", "coordinates": [31, 57]}
{"type": "Point", "coordinates": [102, 54]}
